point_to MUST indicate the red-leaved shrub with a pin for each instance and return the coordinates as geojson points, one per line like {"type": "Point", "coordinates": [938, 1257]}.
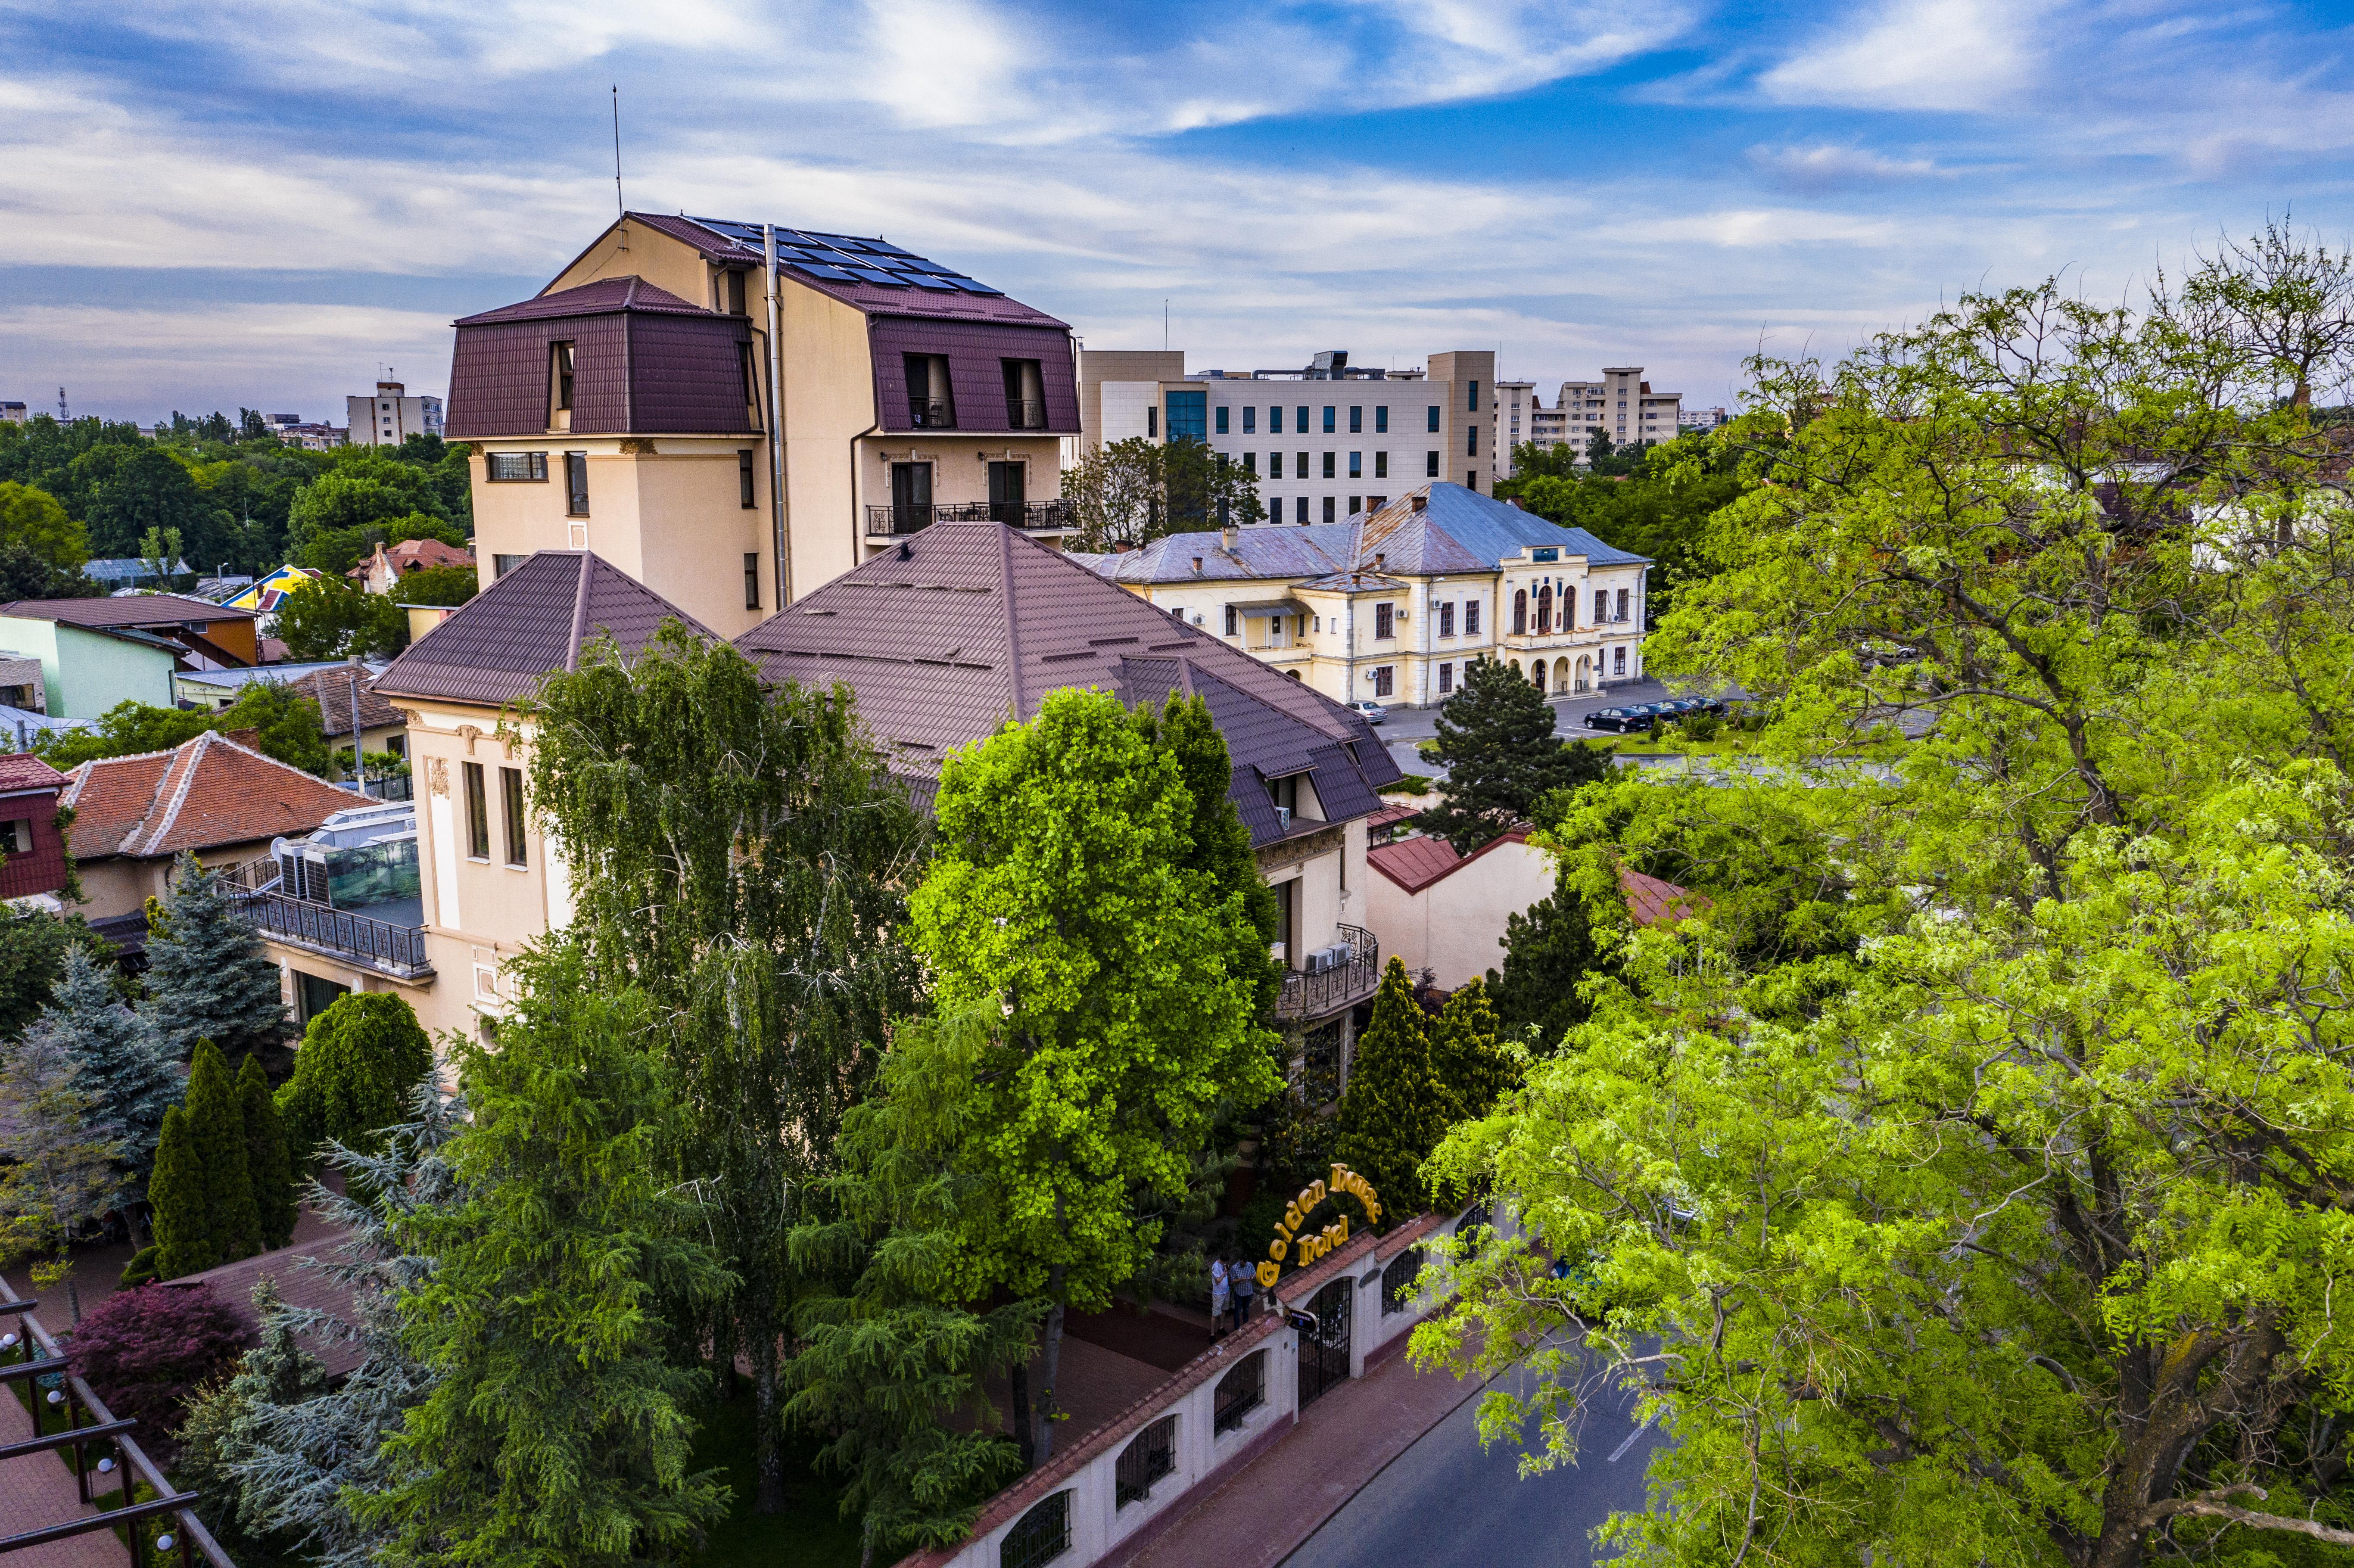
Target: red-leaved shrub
{"type": "Point", "coordinates": [145, 1350]}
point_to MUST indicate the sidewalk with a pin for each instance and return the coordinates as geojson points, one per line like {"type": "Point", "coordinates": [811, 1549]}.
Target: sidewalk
{"type": "Point", "coordinates": [1341, 1442]}
{"type": "Point", "coordinates": [37, 1490]}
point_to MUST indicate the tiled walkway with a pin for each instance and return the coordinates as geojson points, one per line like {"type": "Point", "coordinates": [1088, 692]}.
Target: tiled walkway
{"type": "Point", "coordinates": [36, 1490]}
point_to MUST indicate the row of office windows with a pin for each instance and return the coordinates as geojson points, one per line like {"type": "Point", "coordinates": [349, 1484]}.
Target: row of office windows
{"type": "Point", "coordinates": [1299, 468]}
{"type": "Point", "coordinates": [1385, 620]}
{"type": "Point", "coordinates": [1299, 418]}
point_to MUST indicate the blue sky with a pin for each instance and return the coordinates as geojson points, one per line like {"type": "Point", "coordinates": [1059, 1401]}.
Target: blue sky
{"type": "Point", "coordinates": [260, 204]}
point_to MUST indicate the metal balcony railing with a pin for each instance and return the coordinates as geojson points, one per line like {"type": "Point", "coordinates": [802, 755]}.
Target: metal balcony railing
{"type": "Point", "coordinates": [931, 413]}
{"type": "Point", "coordinates": [886, 522]}
{"type": "Point", "coordinates": [1314, 995]}
{"type": "Point", "coordinates": [1024, 416]}
{"type": "Point", "coordinates": [397, 950]}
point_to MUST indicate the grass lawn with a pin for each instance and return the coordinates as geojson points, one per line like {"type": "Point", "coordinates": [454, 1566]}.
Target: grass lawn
{"type": "Point", "coordinates": [1723, 745]}
{"type": "Point", "coordinates": [809, 1533]}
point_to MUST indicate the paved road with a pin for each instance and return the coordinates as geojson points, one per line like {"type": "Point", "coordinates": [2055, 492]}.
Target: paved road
{"type": "Point", "coordinates": [1405, 727]}
{"type": "Point", "coordinates": [1445, 1504]}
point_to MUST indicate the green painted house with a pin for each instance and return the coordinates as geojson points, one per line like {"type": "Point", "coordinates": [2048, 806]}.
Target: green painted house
{"type": "Point", "coordinates": [87, 670]}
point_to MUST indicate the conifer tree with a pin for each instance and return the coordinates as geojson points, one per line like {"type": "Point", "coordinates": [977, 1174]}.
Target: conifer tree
{"type": "Point", "coordinates": [184, 1231]}
{"type": "Point", "coordinates": [266, 1165]}
{"type": "Point", "coordinates": [216, 1439]}
{"type": "Point", "coordinates": [300, 1463]}
{"type": "Point", "coordinates": [559, 1432]}
{"type": "Point", "coordinates": [1497, 742]}
{"type": "Point", "coordinates": [217, 1125]}
{"type": "Point", "coordinates": [1392, 1113]}
{"type": "Point", "coordinates": [131, 1080]}
{"type": "Point", "coordinates": [360, 1059]}
{"type": "Point", "coordinates": [1472, 1067]}
{"type": "Point", "coordinates": [207, 978]}
{"type": "Point", "coordinates": [1549, 950]}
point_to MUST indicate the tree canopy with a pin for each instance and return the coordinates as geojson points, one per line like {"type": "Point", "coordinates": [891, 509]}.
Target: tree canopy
{"type": "Point", "coordinates": [1130, 493]}
{"type": "Point", "coordinates": [1496, 740]}
{"type": "Point", "coordinates": [1971, 1187]}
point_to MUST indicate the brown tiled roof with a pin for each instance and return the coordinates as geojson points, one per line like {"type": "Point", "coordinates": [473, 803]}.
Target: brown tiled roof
{"type": "Point", "coordinates": [132, 610]}
{"type": "Point", "coordinates": [299, 1284]}
{"type": "Point", "coordinates": [967, 624]}
{"type": "Point", "coordinates": [206, 793]}
{"type": "Point", "coordinates": [604, 294]}
{"type": "Point", "coordinates": [331, 690]}
{"type": "Point", "coordinates": [415, 555]}
{"type": "Point", "coordinates": [21, 772]}
{"type": "Point", "coordinates": [1652, 902]}
{"type": "Point", "coordinates": [1415, 863]}
{"type": "Point", "coordinates": [531, 623]}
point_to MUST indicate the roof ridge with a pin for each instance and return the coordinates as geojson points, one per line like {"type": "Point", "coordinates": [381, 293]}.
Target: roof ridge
{"type": "Point", "coordinates": [191, 757]}
{"type": "Point", "coordinates": [579, 611]}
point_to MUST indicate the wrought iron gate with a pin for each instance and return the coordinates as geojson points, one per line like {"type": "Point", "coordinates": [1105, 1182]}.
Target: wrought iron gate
{"type": "Point", "coordinates": [1324, 1342]}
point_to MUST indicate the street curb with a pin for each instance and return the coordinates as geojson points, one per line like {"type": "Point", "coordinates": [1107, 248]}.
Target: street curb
{"type": "Point", "coordinates": [1292, 1550]}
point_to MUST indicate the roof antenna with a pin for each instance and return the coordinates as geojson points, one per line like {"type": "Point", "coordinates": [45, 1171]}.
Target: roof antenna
{"type": "Point", "coordinates": [618, 208]}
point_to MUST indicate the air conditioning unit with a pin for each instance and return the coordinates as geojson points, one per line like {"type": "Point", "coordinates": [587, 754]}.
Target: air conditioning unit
{"type": "Point", "coordinates": [1320, 960]}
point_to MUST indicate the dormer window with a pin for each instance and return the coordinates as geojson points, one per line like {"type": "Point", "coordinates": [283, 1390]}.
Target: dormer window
{"type": "Point", "coordinates": [560, 396]}
{"type": "Point", "coordinates": [929, 404]}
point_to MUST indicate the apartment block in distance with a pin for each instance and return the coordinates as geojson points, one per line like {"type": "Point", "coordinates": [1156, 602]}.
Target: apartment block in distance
{"type": "Point", "coordinates": [1621, 403]}
{"type": "Point", "coordinates": [391, 416]}
{"type": "Point", "coordinates": [1327, 442]}
{"type": "Point", "coordinates": [628, 409]}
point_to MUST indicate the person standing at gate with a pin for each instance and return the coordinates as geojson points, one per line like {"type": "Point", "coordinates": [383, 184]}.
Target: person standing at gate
{"type": "Point", "coordinates": [1238, 1280]}
{"type": "Point", "coordinates": [1218, 1297]}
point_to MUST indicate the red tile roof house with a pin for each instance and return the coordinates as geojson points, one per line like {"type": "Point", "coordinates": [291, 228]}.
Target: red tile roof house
{"type": "Point", "coordinates": [32, 849]}
{"type": "Point", "coordinates": [133, 815]}
{"type": "Point", "coordinates": [382, 572]}
{"type": "Point", "coordinates": [1447, 913]}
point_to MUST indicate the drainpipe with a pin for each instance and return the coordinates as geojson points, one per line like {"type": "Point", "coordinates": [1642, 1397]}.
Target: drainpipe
{"type": "Point", "coordinates": [359, 768]}
{"type": "Point", "coordinates": [775, 424]}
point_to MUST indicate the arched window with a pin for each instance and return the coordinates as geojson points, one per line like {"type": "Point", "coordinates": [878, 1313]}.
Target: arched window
{"type": "Point", "coordinates": [1520, 611]}
{"type": "Point", "coordinates": [1544, 610]}
{"type": "Point", "coordinates": [1152, 1455]}
{"type": "Point", "coordinates": [1240, 1391]}
{"type": "Point", "coordinates": [1039, 1536]}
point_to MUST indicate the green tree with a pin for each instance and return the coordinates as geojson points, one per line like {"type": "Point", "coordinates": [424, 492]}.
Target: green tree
{"type": "Point", "coordinates": [1496, 744]}
{"type": "Point", "coordinates": [1130, 493]}
{"type": "Point", "coordinates": [1471, 1065]}
{"type": "Point", "coordinates": [898, 1370]}
{"type": "Point", "coordinates": [437, 585]}
{"type": "Point", "coordinates": [559, 1429]}
{"type": "Point", "coordinates": [363, 486]}
{"type": "Point", "coordinates": [329, 618]}
{"type": "Point", "coordinates": [131, 491]}
{"type": "Point", "coordinates": [216, 1441]}
{"type": "Point", "coordinates": [360, 1058]}
{"type": "Point", "coordinates": [32, 519]}
{"type": "Point", "coordinates": [25, 573]}
{"type": "Point", "coordinates": [1658, 503]}
{"type": "Point", "coordinates": [61, 1170]}
{"type": "Point", "coordinates": [1394, 1107]}
{"type": "Point", "coordinates": [216, 1119]}
{"type": "Point", "coordinates": [776, 971]}
{"type": "Point", "coordinates": [183, 1237]}
{"type": "Point", "coordinates": [1058, 892]}
{"type": "Point", "coordinates": [33, 948]}
{"type": "Point", "coordinates": [287, 723]}
{"type": "Point", "coordinates": [2000, 1222]}
{"type": "Point", "coordinates": [266, 1159]}
{"type": "Point", "coordinates": [207, 978]}
{"type": "Point", "coordinates": [1549, 951]}
{"type": "Point", "coordinates": [130, 1077]}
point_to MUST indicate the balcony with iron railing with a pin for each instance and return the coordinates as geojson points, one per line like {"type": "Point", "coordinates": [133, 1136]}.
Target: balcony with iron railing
{"type": "Point", "coordinates": [361, 905]}
{"type": "Point", "coordinates": [931, 413]}
{"type": "Point", "coordinates": [1034, 516]}
{"type": "Point", "coordinates": [1349, 980]}
{"type": "Point", "coordinates": [1020, 415]}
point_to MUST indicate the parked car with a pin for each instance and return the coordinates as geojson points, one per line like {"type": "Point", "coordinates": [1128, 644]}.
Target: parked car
{"type": "Point", "coordinates": [1372, 713]}
{"type": "Point", "coordinates": [1620, 720]}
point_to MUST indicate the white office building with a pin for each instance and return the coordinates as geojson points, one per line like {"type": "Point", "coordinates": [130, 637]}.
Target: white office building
{"type": "Point", "coordinates": [391, 416]}
{"type": "Point", "coordinates": [1622, 403]}
{"type": "Point", "coordinates": [1327, 442]}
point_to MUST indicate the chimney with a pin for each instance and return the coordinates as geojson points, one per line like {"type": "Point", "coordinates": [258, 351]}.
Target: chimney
{"type": "Point", "coordinates": [1421, 498]}
{"type": "Point", "coordinates": [1197, 564]}
{"type": "Point", "coordinates": [1380, 556]}
{"type": "Point", "coordinates": [1227, 537]}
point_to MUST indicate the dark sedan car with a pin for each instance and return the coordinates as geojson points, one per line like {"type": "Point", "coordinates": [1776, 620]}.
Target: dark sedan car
{"type": "Point", "coordinates": [1621, 720]}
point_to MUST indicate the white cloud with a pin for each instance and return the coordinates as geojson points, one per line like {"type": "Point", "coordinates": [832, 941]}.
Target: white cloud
{"type": "Point", "coordinates": [1823, 165]}
{"type": "Point", "coordinates": [1914, 55]}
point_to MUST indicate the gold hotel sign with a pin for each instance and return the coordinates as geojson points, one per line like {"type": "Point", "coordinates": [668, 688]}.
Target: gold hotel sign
{"type": "Point", "coordinates": [1306, 1247]}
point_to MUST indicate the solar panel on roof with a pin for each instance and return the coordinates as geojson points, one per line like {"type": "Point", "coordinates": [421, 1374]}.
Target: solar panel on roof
{"type": "Point", "coordinates": [939, 284]}
{"type": "Point", "coordinates": [821, 270]}
{"type": "Point", "coordinates": [886, 247]}
{"type": "Point", "coordinates": [876, 275]}
{"type": "Point", "coordinates": [972, 287]}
